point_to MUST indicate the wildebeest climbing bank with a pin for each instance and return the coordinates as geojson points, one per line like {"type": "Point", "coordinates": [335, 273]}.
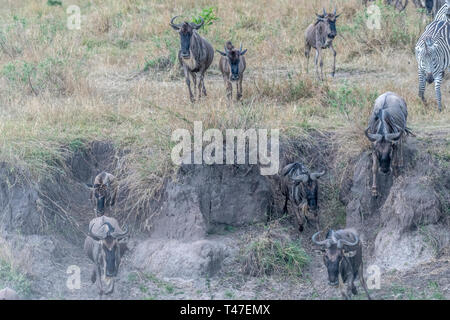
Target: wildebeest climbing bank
{"type": "Point", "coordinates": [192, 151]}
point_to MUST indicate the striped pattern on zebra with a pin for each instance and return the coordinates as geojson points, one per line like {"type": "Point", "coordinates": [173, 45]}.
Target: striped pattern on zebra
{"type": "Point", "coordinates": [441, 15]}
{"type": "Point", "coordinates": [433, 57]}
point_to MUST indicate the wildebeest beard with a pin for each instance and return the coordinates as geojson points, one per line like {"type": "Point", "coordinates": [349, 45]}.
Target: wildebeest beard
{"type": "Point", "coordinates": [110, 256]}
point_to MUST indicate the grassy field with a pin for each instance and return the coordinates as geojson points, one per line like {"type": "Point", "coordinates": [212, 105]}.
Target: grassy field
{"type": "Point", "coordinates": [118, 79]}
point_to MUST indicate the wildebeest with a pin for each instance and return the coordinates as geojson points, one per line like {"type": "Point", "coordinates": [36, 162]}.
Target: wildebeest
{"type": "Point", "coordinates": [195, 56]}
{"type": "Point", "coordinates": [343, 260]}
{"type": "Point", "coordinates": [8, 294]}
{"type": "Point", "coordinates": [102, 246]}
{"type": "Point", "coordinates": [433, 57]}
{"type": "Point", "coordinates": [232, 65]}
{"type": "Point", "coordinates": [320, 35]}
{"type": "Point", "coordinates": [104, 192]}
{"type": "Point", "coordinates": [387, 125]}
{"type": "Point", "coordinates": [300, 189]}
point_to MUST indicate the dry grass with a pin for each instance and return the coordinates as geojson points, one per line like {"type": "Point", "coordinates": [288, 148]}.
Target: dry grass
{"type": "Point", "coordinates": [118, 79]}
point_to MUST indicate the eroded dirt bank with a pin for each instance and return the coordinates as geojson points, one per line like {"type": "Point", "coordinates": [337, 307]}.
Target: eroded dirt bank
{"type": "Point", "coordinates": [192, 243]}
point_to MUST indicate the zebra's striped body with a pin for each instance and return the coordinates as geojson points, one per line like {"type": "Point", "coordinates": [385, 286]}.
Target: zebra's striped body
{"type": "Point", "coordinates": [441, 15]}
{"type": "Point", "coordinates": [433, 56]}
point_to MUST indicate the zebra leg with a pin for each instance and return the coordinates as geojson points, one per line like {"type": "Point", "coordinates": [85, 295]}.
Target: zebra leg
{"type": "Point", "coordinates": [422, 86]}
{"type": "Point", "coordinates": [437, 85]}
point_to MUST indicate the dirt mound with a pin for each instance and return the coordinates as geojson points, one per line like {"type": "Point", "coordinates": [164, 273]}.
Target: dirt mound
{"type": "Point", "coordinates": [405, 224]}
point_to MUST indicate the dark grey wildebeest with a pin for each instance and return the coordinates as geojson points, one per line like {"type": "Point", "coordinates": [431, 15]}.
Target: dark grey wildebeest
{"type": "Point", "coordinates": [300, 189]}
{"type": "Point", "coordinates": [343, 260]}
{"type": "Point", "coordinates": [386, 130]}
{"type": "Point", "coordinates": [320, 35]}
{"type": "Point", "coordinates": [232, 65]}
{"type": "Point", "coordinates": [104, 192]}
{"type": "Point", "coordinates": [104, 248]}
{"type": "Point", "coordinates": [195, 56]}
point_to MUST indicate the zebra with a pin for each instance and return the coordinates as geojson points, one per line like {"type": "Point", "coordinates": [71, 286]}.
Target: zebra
{"type": "Point", "coordinates": [444, 12]}
{"type": "Point", "coordinates": [433, 57]}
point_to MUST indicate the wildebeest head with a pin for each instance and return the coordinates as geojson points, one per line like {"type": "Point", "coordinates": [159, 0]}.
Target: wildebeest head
{"type": "Point", "coordinates": [305, 184]}
{"type": "Point", "coordinates": [334, 253]}
{"type": "Point", "coordinates": [234, 58]}
{"type": "Point", "coordinates": [110, 254]}
{"type": "Point", "coordinates": [185, 29]}
{"type": "Point", "coordinates": [101, 194]}
{"type": "Point", "coordinates": [383, 148]}
{"type": "Point", "coordinates": [330, 23]}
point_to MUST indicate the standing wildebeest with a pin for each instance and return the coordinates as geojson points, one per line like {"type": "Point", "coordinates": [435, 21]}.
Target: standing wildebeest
{"type": "Point", "coordinates": [196, 54]}
{"type": "Point", "coordinates": [433, 57]}
{"type": "Point", "coordinates": [343, 260]}
{"type": "Point", "coordinates": [102, 246]}
{"type": "Point", "coordinates": [232, 65]}
{"type": "Point", "coordinates": [387, 125]}
{"type": "Point", "coordinates": [8, 294]}
{"type": "Point", "coordinates": [104, 191]}
{"type": "Point", "coordinates": [300, 189]}
{"type": "Point", "coordinates": [320, 35]}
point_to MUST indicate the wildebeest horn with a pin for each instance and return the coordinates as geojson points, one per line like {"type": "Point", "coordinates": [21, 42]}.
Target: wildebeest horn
{"type": "Point", "coordinates": [287, 168]}
{"type": "Point", "coordinates": [222, 53]}
{"type": "Point", "coordinates": [373, 137]}
{"type": "Point", "coordinates": [342, 242]}
{"type": "Point", "coordinates": [120, 235]}
{"type": "Point", "coordinates": [316, 175]}
{"type": "Point", "coordinates": [173, 25]}
{"type": "Point", "coordinates": [242, 52]}
{"type": "Point", "coordinates": [95, 236]}
{"type": "Point", "coordinates": [393, 137]}
{"type": "Point", "coordinates": [300, 178]}
{"type": "Point", "coordinates": [197, 26]}
{"type": "Point", "coordinates": [326, 242]}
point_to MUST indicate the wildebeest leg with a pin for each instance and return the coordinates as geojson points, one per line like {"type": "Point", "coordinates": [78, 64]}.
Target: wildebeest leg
{"type": "Point", "coordinates": [194, 79]}
{"type": "Point", "coordinates": [334, 60]}
{"type": "Point", "coordinates": [362, 281]}
{"type": "Point", "coordinates": [94, 275]}
{"type": "Point", "coordinates": [299, 218]}
{"type": "Point", "coordinates": [239, 88]}
{"type": "Point", "coordinates": [307, 53]}
{"type": "Point", "coordinates": [316, 62]}
{"type": "Point", "coordinates": [437, 85]}
{"type": "Point", "coordinates": [422, 86]}
{"type": "Point", "coordinates": [202, 83]}
{"type": "Point", "coordinates": [344, 289]}
{"type": "Point", "coordinates": [188, 83]}
{"type": "Point", "coordinates": [374, 174]}
{"type": "Point", "coordinates": [229, 88]}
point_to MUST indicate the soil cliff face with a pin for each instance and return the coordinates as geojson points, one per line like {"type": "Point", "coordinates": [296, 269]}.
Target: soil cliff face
{"type": "Point", "coordinates": [406, 224]}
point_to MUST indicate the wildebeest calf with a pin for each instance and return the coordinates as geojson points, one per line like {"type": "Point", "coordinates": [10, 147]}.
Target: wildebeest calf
{"type": "Point", "coordinates": [104, 191]}
{"type": "Point", "coordinates": [343, 260]}
{"type": "Point", "coordinates": [232, 65]}
{"type": "Point", "coordinates": [300, 188]}
{"type": "Point", "coordinates": [320, 35]}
